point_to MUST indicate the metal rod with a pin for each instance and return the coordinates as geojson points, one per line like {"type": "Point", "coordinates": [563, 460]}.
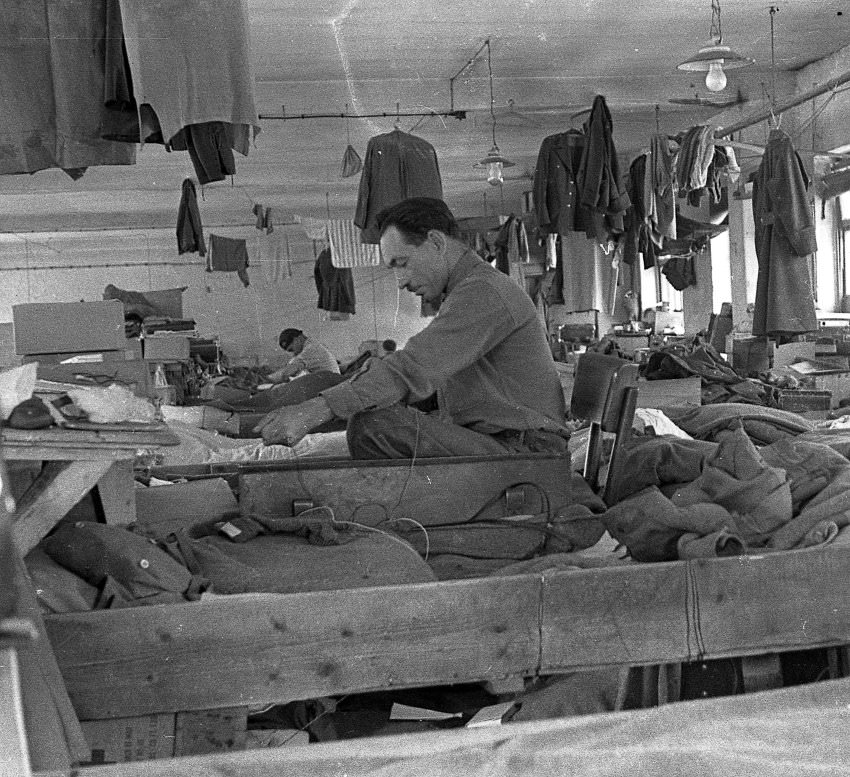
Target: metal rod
{"type": "Point", "coordinates": [458, 114]}
{"type": "Point", "coordinates": [469, 64]}
{"type": "Point", "coordinates": [775, 110]}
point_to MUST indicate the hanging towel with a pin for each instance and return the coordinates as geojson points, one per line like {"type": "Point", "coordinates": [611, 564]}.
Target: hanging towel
{"type": "Point", "coordinates": [228, 254]}
{"type": "Point", "coordinates": [270, 255]}
{"type": "Point", "coordinates": [346, 248]}
{"type": "Point", "coordinates": [190, 232]}
{"type": "Point", "coordinates": [315, 229]}
{"type": "Point", "coordinates": [551, 251]}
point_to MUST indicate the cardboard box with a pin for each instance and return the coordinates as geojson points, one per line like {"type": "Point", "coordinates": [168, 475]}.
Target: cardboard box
{"type": "Point", "coordinates": [73, 327]}
{"type": "Point", "coordinates": [130, 739]}
{"type": "Point", "coordinates": [664, 393]}
{"type": "Point", "coordinates": [164, 348]}
{"type": "Point", "coordinates": [210, 731]}
{"type": "Point", "coordinates": [837, 383]}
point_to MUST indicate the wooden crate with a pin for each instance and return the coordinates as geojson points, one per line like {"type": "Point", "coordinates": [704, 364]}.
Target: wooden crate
{"type": "Point", "coordinates": [803, 400]}
{"type": "Point", "coordinates": [664, 393]}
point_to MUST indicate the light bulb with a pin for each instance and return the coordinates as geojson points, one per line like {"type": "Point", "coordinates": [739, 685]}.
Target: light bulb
{"type": "Point", "coordinates": [715, 78]}
{"type": "Point", "coordinates": [494, 173]}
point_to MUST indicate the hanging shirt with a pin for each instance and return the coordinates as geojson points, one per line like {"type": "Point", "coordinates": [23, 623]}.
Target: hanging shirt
{"type": "Point", "coordinates": [228, 254]}
{"type": "Point", "coordinates": [192, 67]}
{"type": "Point", "coordinates": [397, 166]}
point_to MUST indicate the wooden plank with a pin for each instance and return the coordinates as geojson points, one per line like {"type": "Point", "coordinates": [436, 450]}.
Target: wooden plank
{"type": "Point", "coordinates": [14, 756]}
{"type": "Point", "coordinates": [267, 648]}
{"type": "Point", "coordinates": [53, 730]}
{"type": "Point", "coordinates": [59, 486]}
{"type": "Point", "coordinates": [117, 493]}
{"type": "Point", "coordinates": [431, 492]}
{"type": "Point", "coordinates": [633, 614]}
{"type": "Point", "coordinates": [774, 602]}
{"type": "Point", "coordinates": [707, 608]}
{"type": "Point", "coordinates": [55, 443]}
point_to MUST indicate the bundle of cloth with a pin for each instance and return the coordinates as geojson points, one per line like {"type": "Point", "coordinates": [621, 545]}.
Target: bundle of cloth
{"type": "Point", "coordinates": [695, 498]}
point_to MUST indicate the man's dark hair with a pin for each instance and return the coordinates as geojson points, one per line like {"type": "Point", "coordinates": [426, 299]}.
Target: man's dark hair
{"type": "Point", "coordinates": [287, 336]}
{"type": "Point", "coordinates": [389, 345]}
{"type": "Point", "coordinates": [415, 217]}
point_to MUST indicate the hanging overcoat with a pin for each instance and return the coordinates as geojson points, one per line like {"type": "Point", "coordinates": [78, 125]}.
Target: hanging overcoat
{"type": "Point", "coordinates": [785, 240]}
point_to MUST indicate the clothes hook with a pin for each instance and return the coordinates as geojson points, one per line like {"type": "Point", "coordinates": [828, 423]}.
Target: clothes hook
{"type": "Point", "coordinates": [657, 119]}
{"type": "Point", "coordinates": [397, 117]}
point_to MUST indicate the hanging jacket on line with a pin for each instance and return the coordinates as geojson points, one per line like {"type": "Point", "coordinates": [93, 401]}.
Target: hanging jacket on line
{"type": "Point", "coordinates": [397, 166]}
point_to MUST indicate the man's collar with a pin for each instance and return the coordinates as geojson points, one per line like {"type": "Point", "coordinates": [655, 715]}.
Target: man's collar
{"type": "Point", "coordinates": [464, 266]}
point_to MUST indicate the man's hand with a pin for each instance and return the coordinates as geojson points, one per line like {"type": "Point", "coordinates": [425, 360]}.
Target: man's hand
{"type": "Point", "coordinates": [288, 425]}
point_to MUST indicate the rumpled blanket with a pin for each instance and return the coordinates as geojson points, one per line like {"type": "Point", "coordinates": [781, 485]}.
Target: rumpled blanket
{"type": "Point", "coordinates": [791, 494]}
{"type": "Point", "coordinates": [764, 425]}
{"type": "Point", "coordinates": [660, 461]}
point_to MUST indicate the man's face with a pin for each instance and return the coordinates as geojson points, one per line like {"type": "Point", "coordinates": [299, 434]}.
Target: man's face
{"type": "Point", "coordinates": [421, 269]}
{"type": "Point", "coordinates": [296, 346]}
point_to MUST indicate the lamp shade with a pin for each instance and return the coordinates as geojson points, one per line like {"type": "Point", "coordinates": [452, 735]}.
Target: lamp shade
{"type": "Point", "coordinates": [494, 162]}
{"type": "Point", "coordinates": [714, 54]}
{"type": "Point", "coordinates": [713, 60]}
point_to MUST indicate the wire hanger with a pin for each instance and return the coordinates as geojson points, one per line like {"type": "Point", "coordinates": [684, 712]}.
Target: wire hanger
{"type": "Point", "coordinates": [774, 122]}
{"type": "Point", "coordinates": [397, 125]}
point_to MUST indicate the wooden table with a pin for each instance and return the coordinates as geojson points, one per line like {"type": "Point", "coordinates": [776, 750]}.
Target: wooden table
{"type": "Point", "coordinates": [38, 725]}
{"type": "Point", "coordinates": [76, 461]}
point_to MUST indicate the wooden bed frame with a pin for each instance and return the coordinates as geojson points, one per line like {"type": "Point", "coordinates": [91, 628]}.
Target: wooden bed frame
{"type": "Point", "coordinates": [273, 648]}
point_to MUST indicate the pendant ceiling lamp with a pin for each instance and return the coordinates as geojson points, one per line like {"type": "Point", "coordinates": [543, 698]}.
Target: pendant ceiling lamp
{"type": "Point", "coordinates": [494, 162]}
{"type": "Point", "coordinates": [715, 58]}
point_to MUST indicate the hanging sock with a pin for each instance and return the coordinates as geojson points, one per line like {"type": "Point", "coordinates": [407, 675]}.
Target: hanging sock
{"type": "Point", "coordinates": [315, 229]}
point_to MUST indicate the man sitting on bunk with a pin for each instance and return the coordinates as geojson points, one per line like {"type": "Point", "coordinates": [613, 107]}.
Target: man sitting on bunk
{"type": "Point", "coordinates": [485, 355]}
{"type": "Point", "coordinates": [307, 356]}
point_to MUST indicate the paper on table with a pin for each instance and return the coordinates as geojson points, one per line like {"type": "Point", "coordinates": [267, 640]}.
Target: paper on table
{"type": "Point", "coordinates": [490, 716]}
{"type": "Point", "coordinates": [407, 712]}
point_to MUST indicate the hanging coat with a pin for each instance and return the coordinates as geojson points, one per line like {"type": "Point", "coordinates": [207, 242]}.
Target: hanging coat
{"type": "Point", "coordinates": [599, 184]}
{"type": "Point", "coordinates": [556, 201]}
{"type": "Point", "coordinates": [397, 166]}
{"type": "Point", "coordinates": [785, 240]}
